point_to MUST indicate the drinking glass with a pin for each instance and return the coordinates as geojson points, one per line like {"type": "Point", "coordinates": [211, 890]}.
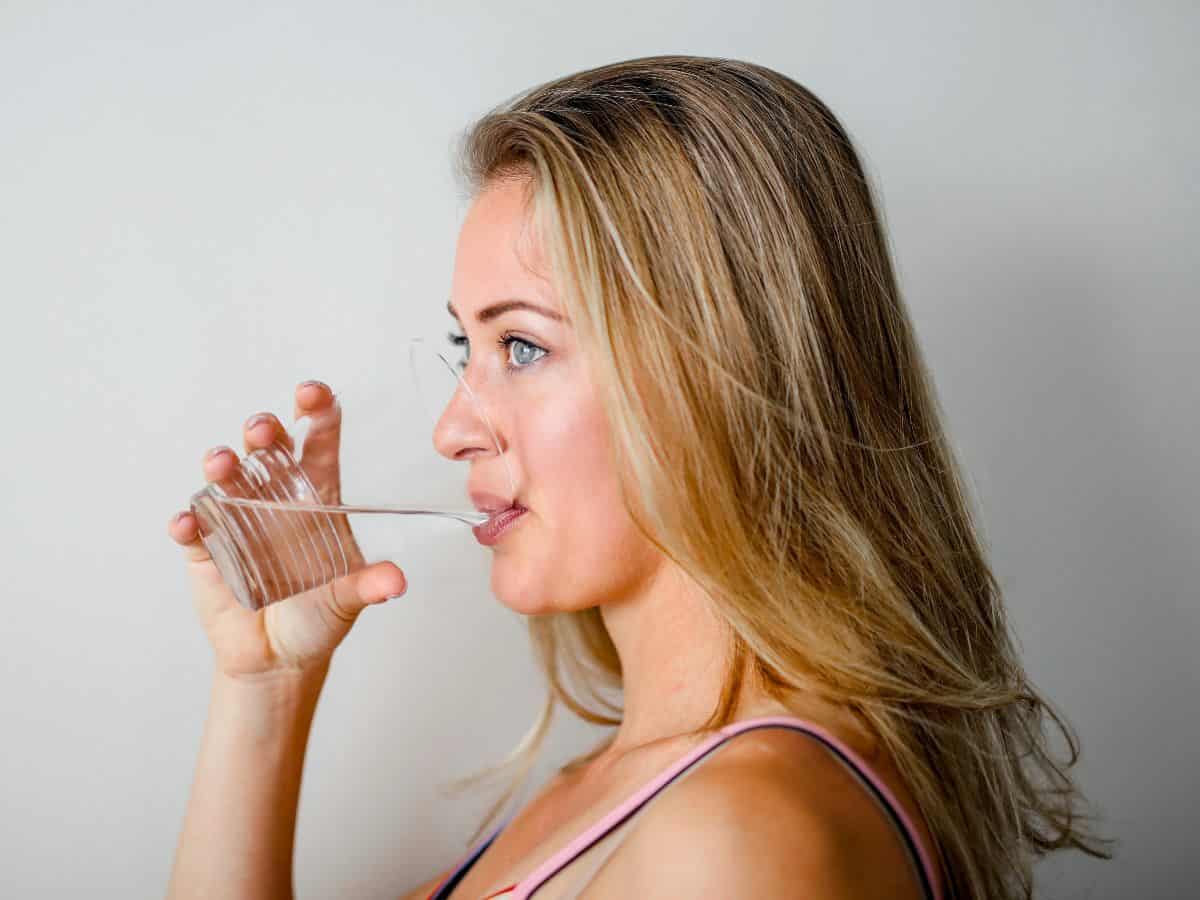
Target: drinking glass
{"type": "Point", "coordinates": [273, 530]}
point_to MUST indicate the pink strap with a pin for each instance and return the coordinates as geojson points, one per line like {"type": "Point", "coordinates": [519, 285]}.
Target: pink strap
{"type": "Point", "coordinates": [866, 771]}
{"type": "Point", "coordinates": [535, 878]}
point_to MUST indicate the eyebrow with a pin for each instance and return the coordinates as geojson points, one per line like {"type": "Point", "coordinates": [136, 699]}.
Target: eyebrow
{"type": "Point", "coordinates": [498, 309]}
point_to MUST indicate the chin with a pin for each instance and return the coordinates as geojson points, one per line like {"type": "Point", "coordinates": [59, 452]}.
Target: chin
{"type": "Point", "coordinates": [523, 605]}
{"type": "Point", "coordinates": [515, 593]}
{"type": "Point", "coordinates": [532, 599]}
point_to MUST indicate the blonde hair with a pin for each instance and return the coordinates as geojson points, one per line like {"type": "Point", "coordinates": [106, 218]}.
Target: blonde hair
{"type": "Point", "coordinates": [710, 226]}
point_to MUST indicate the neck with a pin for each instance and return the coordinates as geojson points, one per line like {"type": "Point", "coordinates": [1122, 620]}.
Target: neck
{"type": "Point", "coordinates": [673, 659]}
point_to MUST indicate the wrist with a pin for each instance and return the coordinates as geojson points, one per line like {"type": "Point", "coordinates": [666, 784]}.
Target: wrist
{"type": "Point", "coordinates": [272, 705]}
{"type": "Point", "coordinates": [277, 681]}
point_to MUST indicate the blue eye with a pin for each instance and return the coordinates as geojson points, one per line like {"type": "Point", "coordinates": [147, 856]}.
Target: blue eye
{"type": "Point", "coordinates": [507, 340]}
{"type": "Point", "coordinates": [510, 341]}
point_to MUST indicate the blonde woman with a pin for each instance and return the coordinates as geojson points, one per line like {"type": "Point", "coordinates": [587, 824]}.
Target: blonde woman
{"type": "Point", "coordinates": [737, 507]}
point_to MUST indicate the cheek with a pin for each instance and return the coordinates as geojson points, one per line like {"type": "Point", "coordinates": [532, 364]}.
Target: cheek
{"type": "Point", "coordinates": [573, 479]}
{"type": "Point", "coordinates": [583, 548]}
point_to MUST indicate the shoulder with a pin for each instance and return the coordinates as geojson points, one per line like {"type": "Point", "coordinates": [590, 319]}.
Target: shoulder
{"type": "Point", "coordinates": [771, 814]}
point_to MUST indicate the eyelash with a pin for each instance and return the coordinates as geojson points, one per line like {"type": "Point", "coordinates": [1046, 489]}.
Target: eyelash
{"type": "Point", "coordinates": [507, 339]}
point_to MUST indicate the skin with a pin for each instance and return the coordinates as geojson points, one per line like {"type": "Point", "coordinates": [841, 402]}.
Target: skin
{"type": "Point", "coordinates": [549, 426]}
{"type": "Point", "coordinates": [551, 429]}
{"type": "Point", "coordinates": [300, 633]}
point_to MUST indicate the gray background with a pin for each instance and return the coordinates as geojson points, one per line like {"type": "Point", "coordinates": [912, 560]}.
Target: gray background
{"type": "Point", "coordinates": [202, 205]}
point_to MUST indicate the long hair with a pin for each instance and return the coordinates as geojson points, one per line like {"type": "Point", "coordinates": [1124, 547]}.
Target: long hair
{"type": "Point", "coordinates": [776, 433]}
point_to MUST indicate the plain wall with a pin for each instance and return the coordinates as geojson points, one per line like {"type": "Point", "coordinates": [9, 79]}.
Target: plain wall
{"type": "Point", "coordinates": [201, 205]}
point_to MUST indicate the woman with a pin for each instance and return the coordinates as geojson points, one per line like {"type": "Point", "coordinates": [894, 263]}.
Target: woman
{"type": "Point", "coordinates": [741, 510]}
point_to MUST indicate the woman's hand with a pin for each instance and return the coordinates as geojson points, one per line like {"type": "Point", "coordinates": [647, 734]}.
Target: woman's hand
{"type": "Point", "coordinates": [299, 632]}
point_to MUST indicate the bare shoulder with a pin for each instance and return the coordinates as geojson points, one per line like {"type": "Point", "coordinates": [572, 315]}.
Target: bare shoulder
{"type": "Point", "coordinates": [771, 814]}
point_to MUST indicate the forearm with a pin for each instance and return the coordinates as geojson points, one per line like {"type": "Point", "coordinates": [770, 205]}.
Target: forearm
{"type": "Point", "coordinates": [239, 830]}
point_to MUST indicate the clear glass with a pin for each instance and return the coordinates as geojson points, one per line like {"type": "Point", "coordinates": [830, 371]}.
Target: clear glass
{"type": "Point", "coordinates": [279, 526]}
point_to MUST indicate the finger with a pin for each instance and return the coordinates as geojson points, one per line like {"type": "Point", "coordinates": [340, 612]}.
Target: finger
{"type": "Point", "coordinates": [210, 594]}
{"type": "Point", "coordinates": [262, 430]}
{"type": "Point", "coordinates": [219, 463]}
{"type": "Point", "coordinates": [227, 473]}
{"type": "Point", "coordinates": [351, 594]}
{"type": "Point", "coordinates": [185, 531]}
{"type": "Point", "coordinates": [311, 624]}
{"type": "Point", "coordinates": [380, 582]}
{"type": "Point", "coordinates": [311, 396]}
{"type": "Point", "coordinates": [320, 453]}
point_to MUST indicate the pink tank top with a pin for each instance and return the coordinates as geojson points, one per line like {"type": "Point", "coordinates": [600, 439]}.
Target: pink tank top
{"type": "Point", "coordinates": [919, 854]}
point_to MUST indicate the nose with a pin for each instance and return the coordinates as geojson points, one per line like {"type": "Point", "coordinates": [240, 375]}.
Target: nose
{"type": "Point", "coordinates": [462, 431]}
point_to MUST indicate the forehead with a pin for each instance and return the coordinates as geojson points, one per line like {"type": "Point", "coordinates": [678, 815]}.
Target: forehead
{"type": "Point", "coordinates": [499, 248]}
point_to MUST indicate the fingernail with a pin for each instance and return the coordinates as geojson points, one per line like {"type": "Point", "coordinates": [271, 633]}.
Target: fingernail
{"type": "Point", "coordinates": [256, 420]}
{"type": "Point", "coordinates": [312, 383]}
{"type": "Point", "coordinates": [215, 450]}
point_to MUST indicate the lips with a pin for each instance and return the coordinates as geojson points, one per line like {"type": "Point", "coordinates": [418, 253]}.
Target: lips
{"type": "Point", "coordinates": [493, 504]}
{"type": "Point", "coordinates": [491, 531]}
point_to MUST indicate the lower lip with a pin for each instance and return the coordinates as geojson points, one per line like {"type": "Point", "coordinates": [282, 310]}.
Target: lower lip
{"type": "Point", "coordinates": [497, 526]}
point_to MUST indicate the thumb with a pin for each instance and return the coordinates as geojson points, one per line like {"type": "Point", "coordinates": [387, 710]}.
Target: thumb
{"type": "Point", "coordinates": [352, 593]}
{"type": "Point", "coordinates": [312, 624]}
{"type": "Point", "coordinates": [338, 603]}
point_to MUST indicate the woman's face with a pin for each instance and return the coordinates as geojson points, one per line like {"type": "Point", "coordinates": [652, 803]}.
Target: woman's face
{"type": "Point", "coordinates": [576, 546]}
